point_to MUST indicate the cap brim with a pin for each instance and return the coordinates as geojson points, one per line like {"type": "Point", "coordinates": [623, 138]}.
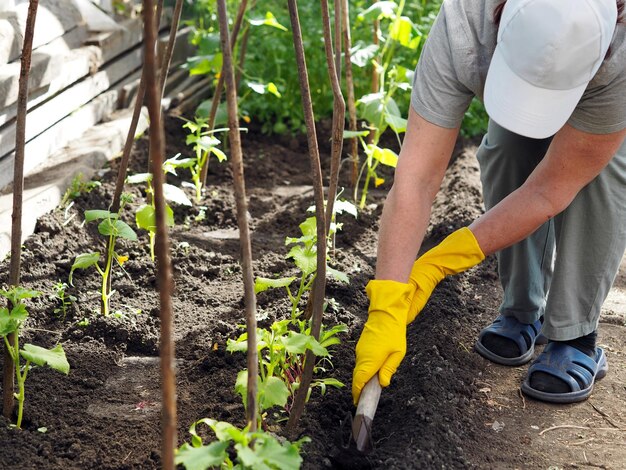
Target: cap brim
{"type": "Point", "coordinates": [523, 108]}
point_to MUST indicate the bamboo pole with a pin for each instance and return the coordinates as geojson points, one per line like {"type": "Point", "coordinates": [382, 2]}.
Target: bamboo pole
{"type": "Point", "coordinates": [18, 195]}
{"type": "Point", "coordinates": [318, 191]}
{"type": "Point", "coordinates": [236, 160]}
{"type": "Point", "coordinates": [164, 268]}
{"type": "Point", "coordinates": [217, 96]}
{"type": "Point", "coordinates": [354, 143]}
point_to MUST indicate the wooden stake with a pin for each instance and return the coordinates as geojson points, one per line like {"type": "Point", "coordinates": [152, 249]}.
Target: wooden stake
{"type": "Point", "coordinates": [18, 195]}
{"type": "Point", "coordinates": [354, 142]}
{"type": "Point", "coordinates": [164, 268]}
{"type": "Point", "coordinates": [217, 96]}
{"type": "Point", "coordinates": [236, 160]}
{"type": "Point", "coordinates": [318, 191]}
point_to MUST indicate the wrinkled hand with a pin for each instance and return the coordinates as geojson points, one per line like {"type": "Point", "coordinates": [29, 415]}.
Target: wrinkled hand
{"type": "Point", "coordinates": [382, 344]}
{"type": "Point", "coordinates": [458, 252]}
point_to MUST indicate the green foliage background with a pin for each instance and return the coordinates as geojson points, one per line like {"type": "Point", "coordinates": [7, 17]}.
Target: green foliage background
{"type": "Point", "coordinates": [270, 59]}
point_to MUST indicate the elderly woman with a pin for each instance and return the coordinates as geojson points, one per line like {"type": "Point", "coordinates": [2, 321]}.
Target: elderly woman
{"type": "Point", "coordinates": [552, 76]}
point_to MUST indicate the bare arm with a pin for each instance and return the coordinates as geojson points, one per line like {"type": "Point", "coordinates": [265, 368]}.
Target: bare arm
{"type": "Point", "coordinates": [424, 157]}
{"type": "Point", "coordinates": [572, 161]}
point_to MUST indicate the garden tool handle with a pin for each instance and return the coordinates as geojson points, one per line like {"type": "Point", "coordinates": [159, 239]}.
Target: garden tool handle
{"type": "Point", "coordinates": [366, 409]}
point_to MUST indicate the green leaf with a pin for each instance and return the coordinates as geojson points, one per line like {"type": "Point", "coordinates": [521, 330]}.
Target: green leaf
{"type": "Point", "coordinates": [8, 323]}
{"type": "Point", "coordinates": [17, 293]}
{"type": "Point", "coordinates": [259, 88]}
{"type": "Point", "coordinates": [276, 456]}
{"type": "Point", "coordinates": [352, 134]}
{"type": "Point", "coordinates": [298, 343]}
{"type": "Point", "coordinates": [201, 458]}
{"type": "Point", "coordinates": [379, 10]}
{"type": "Point", "coordinates": [337, 275]}
{"type": "Point", "coordinates": [97, 214]}
{"type": "Point", "coordinates": [397, 123]}
{"type": "Point", "coordinates": [305, 259]}
{"type": "Point", "coordinates": [401, 30]}
{"type": "Point", "coordinates": [269, 20]}
{"type": "Point", "coordinates": [175, 194]}
{"type": "Point", "coordinates": [53, 358]}
{"type": "Point", "coordinates": [84, 261]}
{"type": "Point", "coordinates": [238, 345]}
{"type": "Point", "coordinates": [262, 283]}
{"type": "Point", "coordinates": [146, 218]}
{"type": "Point", "coordinates": [361, 53]}
{"type": "Point", "coordinates": [241, 385]}
{"type": "Point", "coordinates": [272, 392]}
{"type": "Point", "coordinates": [221, 156]}
{"type": "Point", "coordinates": [384, 156]}
{"type": "Point", "coordinates": [139, 178]}
{"type": "Point", "coordinates": [341, 206]}
{"type": "Point", "coordinates": [273, 89]}
{"type": "Point", "coordinates": [117, 228]}
{"type": "Point", "coordinates": [309, 227]}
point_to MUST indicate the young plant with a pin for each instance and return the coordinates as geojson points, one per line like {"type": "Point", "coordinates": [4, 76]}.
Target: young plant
{"type": "Point", "coordinates": [238, 449]}
{"type": "Point", "coordinates": [78, 187]}
{"type": "Point", "coordinates": [380, 109]}
{"type": "Point", "coordinates": [112, 228]}
{"type": "Point", "coordinates": [203, 143]}
{"type": "Point", "coordinates": [63, 299]}
{"type": "Point", "coordinates": [282, 350]}
{"type": "Point", "coordinates": [145, 217]}
{"type": "Point", "coordinates": [304, 255]}
{"type": "Point", "coordinates": [11, 321]}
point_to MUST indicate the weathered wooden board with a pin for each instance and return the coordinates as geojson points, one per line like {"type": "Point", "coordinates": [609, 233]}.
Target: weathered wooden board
{"type": "Point", "coordinates": [54, 19]}
{"type": "Point", "coordinates": [66, 102]}
{"type": "Point", "coordinates": [44, 190]}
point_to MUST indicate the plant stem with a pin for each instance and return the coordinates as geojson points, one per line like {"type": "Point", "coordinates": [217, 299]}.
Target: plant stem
{"type": "Point", "coordinates": [106, 275]}
{"type": "Point", "coordinates": [21, 396]}
{"type": "Point", "coordinates": [18, 191]}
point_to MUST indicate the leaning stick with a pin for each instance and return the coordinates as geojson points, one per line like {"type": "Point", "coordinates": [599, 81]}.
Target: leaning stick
{"type": "Point", "coordinates": [318, 192]}
{"type": "Point", "coordinates": [236, 161]}
{"type": "Point", "coordinates": [18, 194]}
{"type": "Point", "coordinates": [217, 95]}
{"type": "Point", "coordinates": [354, 144]}
{"type": "Point", "coordinates": [130, 137]}
{"type": "Point", "coordinates": [339, 113]}
{"type": "Point", "coordinates": [164, 268]}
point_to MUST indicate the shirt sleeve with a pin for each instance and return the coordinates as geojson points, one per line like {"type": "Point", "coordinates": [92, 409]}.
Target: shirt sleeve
{"type": "Point", "coordinates": [438, 96]}
{"type": "Point", "coordinates": [602, 109]}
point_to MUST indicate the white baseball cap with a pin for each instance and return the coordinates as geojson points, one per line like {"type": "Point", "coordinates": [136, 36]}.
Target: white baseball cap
{"type": "Point", "coordinates": [547, 52]}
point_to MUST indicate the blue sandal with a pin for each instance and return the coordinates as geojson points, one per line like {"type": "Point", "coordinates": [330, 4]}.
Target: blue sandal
{"type": "Point", "coordinates": [571, 366]}
{"type": "Point", "coordinates": [522, 334]}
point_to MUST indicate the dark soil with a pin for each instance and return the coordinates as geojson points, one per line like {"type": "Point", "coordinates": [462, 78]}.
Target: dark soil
{"type": "Point", "coordinates": [106, 413]}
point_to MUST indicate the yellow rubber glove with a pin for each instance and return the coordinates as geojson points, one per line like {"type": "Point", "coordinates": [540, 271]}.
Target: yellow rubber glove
{"type": "Point", "coordinates": [458, 252]}
{"type": "Point", "coordinates": [382, 344]}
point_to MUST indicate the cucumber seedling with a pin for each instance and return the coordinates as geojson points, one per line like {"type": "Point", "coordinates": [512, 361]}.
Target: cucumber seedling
{"type": "Point", "coordinates": [203, 143]}
{"type": "Point", "coordinates": [11, 321]}
{"type": "Point", "coordinates": [111, 227]}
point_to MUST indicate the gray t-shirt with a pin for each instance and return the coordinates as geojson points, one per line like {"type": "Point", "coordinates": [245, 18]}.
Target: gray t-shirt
{"type": "Point", "coordinates": [454, 62]}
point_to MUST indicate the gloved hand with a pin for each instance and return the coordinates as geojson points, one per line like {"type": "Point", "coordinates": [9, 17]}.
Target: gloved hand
{"type": "Point", "coordinates": [458, 252]}
{"type": "Point", "coordinates": [382, 344]}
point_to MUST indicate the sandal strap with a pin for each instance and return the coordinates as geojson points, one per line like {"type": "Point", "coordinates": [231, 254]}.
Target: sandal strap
{"type": "Point", "coordinates": [513, 330]}
{"type": "Point", "coordinates": [566, 363]}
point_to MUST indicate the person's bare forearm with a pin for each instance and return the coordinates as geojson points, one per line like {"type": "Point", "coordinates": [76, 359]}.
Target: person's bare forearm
{"type": "Point", "coordinates": [424, 158]}
{"type": "Point", "coordinates": [573, 160]}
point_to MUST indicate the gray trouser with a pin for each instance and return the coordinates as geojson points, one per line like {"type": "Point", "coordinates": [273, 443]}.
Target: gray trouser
{"type": "Point", "coordinates": [564, 270]}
